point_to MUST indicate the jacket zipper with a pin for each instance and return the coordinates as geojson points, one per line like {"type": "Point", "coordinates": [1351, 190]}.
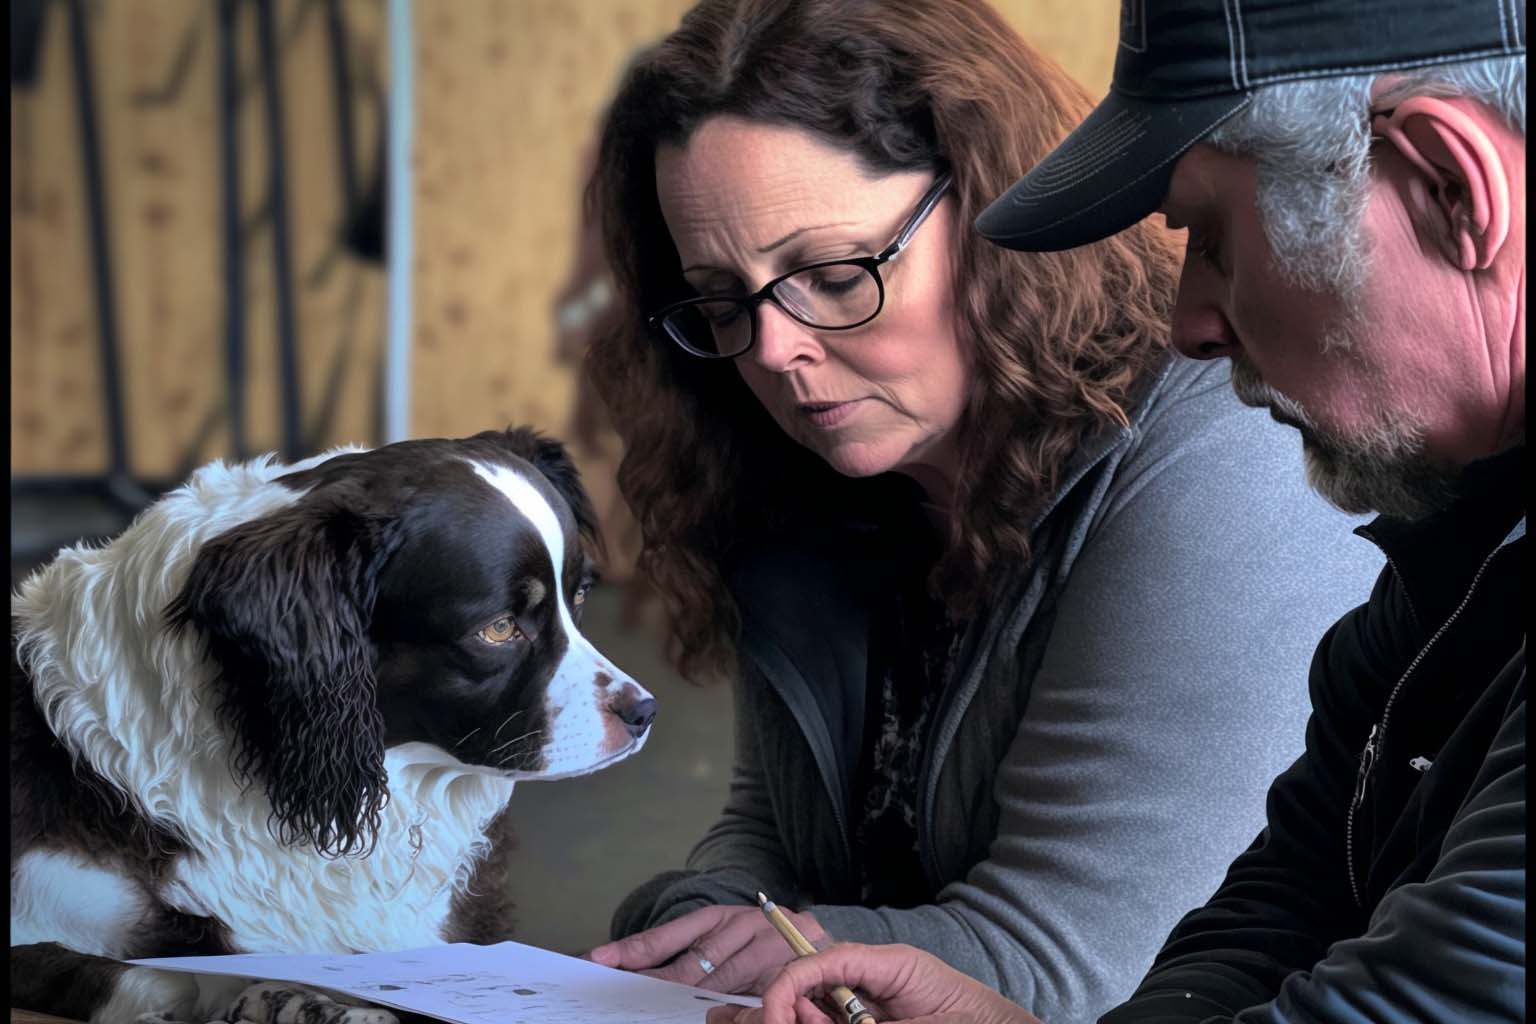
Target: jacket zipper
{"type": "Point", "coordinates": [1378, 733]}
{"type": "Point", "coordinates": [943, 708]}
{"type": "Point", "coordinates": [842, 827]}
{"type": "Point", "coordinates": [835, 798]}
{"type": "Point", "coordinates": [805, 719]}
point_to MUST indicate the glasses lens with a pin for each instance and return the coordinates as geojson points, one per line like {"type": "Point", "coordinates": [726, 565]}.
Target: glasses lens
{"type": "Point", "coordinates": [834, 295]}
{"type": "Point", "coordinates": [714, 327]}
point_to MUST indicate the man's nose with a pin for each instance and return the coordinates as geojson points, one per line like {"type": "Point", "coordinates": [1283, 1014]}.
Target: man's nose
{"type": "Point", "coordinates": [1200, 327]}
{"type": "Point", "coordinates": [783, 343]}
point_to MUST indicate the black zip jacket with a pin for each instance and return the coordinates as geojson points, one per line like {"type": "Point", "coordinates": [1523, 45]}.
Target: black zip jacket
{"type": "Point", "coordinates": [1389, 882]}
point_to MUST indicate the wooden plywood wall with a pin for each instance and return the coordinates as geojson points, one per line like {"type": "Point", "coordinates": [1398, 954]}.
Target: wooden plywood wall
{"type": "Point", "coordinates": [508, 94]}
{"type": "Point", "coordinates": [1080, 35]}
{"type": "Point", "coordinates": [155, 64]}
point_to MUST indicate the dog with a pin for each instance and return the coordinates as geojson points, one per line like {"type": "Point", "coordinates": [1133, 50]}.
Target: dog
{"type": "Point", "coordinates": [285, 709]}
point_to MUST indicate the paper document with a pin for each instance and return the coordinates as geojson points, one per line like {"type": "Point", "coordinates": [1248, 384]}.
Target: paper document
{"type": "Point", "coordinates": [508, 983]}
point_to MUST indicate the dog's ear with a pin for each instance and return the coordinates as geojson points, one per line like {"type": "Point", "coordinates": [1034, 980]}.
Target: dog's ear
{"type": "Point", "coordinates": [283, 604]}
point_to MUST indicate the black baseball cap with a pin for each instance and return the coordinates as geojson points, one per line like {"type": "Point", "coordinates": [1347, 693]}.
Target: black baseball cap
{"type": "Point", "coordinates": [1185, 66]}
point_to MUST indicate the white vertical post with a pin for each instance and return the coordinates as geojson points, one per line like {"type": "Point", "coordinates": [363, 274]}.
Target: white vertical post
{"type": "Point", "coordinates": [398, 224]}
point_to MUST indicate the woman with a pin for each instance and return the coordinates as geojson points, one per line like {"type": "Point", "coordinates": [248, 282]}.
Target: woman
{"type": "Point", "coordinates": [976, 549]}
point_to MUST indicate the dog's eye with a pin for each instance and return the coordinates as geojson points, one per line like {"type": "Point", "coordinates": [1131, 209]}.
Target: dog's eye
{"type": "Point", "coordinates": [500, 631]}
{"type": "Point", "coordinates": [581, 595]}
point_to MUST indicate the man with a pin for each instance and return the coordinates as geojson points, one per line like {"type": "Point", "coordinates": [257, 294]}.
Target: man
{"type": "Point", "coordinates": [1352, 176]}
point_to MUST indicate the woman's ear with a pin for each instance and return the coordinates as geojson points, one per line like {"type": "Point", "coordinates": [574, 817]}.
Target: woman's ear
{"type": "Point", "coordinates": [1458, 192]}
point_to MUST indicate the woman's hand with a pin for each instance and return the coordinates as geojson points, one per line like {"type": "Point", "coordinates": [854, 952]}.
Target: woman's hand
{"type": "Point", "coordinates": [738, 942]}
{"type": "Point", "coordinates": [899, 985]}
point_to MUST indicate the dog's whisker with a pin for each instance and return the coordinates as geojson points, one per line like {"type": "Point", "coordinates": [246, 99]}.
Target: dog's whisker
{"type": "Point", "coordinates": [497, 734]}
{"type": "Point", "coordinates": [518, 739]}
{"type": "Point", "coordinates": [524, 736]}
{"type": "Point", "coordinates": [508, 760]}
{"type": "Point", "coordinates": [466, 736]}
{"type": "Point", "coordinates": [529, 746]}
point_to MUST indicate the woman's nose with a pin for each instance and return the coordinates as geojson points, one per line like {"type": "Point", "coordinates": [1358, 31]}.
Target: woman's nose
{"type": "Point", "coordinates": [783, 343]}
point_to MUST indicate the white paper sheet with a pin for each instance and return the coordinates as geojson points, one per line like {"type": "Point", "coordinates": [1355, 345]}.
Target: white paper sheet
{"type": "Point", "coordinates": [508, 983]}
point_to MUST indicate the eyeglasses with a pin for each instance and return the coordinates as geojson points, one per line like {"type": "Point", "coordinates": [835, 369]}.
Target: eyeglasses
{"type": "Point", "coordinates": [837, 295]}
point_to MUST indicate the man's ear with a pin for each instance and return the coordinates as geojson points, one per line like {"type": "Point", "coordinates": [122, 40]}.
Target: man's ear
{"type": "Point", "coordinates": [1459, 196]}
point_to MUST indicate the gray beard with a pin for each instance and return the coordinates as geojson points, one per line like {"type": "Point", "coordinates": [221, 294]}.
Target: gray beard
{"type": "Point", "coordinates": [1385, 471]}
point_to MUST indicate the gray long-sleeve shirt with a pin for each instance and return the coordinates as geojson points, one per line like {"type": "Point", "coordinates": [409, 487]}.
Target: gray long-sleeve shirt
{"type": "Point", "coordinates": [1103, 749]}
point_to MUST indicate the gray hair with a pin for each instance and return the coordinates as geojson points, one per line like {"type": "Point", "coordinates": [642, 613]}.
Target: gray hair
{"type": "Point", "coordinates": [1312, 142]}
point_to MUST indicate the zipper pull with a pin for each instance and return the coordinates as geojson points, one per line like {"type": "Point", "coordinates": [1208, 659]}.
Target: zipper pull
{"type": "Point", "coordinates": [1367, 762]}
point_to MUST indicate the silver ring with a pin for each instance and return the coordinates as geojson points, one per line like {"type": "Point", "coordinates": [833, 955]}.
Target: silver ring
{"type": "Point", "coordinates": [706, 966]}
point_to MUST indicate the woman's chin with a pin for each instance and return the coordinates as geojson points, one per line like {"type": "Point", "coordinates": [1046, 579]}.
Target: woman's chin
{"type": "Point", "coordinates": [859, 460]}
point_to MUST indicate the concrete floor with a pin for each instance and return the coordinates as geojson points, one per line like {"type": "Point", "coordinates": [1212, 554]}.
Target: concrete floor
{"type": "Point", "coordinates": [586, 842]}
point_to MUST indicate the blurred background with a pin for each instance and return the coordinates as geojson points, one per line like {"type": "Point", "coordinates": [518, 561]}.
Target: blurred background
{"type": "Point", "coordinates": [241, 226]}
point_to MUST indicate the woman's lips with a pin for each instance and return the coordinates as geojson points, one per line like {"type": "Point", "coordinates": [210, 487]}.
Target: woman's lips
{"type": "Point", "coordinates": [828, 414]}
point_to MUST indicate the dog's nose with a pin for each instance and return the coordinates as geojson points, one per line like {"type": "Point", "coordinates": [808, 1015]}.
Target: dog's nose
{"type": "Point", "coordinates": [637, 717]}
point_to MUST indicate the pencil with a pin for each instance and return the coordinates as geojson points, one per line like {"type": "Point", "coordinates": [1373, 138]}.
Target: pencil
{"type": "Point", "coordinates": [852, 1009]}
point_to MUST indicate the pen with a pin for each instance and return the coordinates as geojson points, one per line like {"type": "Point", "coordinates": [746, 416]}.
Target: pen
{"type": "Point", "coordinates": [853, 1011]}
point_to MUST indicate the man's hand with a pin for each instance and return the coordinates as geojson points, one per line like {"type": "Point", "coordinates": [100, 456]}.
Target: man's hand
{"type": "Point", "coordinates": [738, 942]}
{"type": "Point", "coordinates": [899, 985]}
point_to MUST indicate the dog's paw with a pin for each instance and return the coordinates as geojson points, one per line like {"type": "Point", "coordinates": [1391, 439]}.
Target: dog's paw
{"type": "Point", "coordinates": [278, 1002]}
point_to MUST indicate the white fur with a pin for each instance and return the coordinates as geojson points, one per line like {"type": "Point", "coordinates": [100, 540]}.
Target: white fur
{"type": "Point", "coordinates": [273, 897]}
{"type": "Point", "coordinates": [91, 632]}
{"type": "Point", "coordinates": [581, 739]}
{"type": "Point", "coordinates": [58, 896]}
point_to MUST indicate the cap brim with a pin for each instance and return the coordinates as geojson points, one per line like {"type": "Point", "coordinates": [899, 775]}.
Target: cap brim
{"type": "Point", "coordinates": [1108, 174]}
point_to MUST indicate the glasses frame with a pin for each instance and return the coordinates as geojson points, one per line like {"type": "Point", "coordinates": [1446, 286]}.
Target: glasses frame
{"type": "Point", "coordinates": [871, 264]}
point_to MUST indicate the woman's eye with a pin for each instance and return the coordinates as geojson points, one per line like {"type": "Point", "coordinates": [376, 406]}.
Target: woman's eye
{"type": "Point", "coordinates": [837, 281]}
{"type": "Point", "coordinates": [500, 631]}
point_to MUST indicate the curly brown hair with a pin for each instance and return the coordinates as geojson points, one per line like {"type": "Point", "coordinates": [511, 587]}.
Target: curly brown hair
{"type": "Point", "coordinates": [1059, 340]}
